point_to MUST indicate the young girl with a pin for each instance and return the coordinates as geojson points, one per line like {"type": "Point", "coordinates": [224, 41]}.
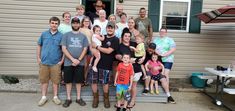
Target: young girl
{"type": "Point", "coordinates": [140, 51]}
{"type": "Point", "coordinates": [96, 38]}
{"type": "Point", "coordinates": [154, 66]}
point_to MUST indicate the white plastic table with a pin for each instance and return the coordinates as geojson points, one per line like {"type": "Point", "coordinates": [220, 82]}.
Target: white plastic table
{"type": "Point", "coordinates": [219, 93]}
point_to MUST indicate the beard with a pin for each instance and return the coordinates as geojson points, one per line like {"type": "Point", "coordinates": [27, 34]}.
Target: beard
{"type": "Point", "coordinates": [110, 34]}
{"type": "Point", "coordinates": [75, 29]}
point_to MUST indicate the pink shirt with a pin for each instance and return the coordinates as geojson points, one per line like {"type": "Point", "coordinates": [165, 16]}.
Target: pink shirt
{"type": "Point", "coordinates": [153, 65]}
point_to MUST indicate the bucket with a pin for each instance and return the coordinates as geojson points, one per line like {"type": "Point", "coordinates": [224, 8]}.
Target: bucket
{"type": "Point", "coordinates": [196, 81]}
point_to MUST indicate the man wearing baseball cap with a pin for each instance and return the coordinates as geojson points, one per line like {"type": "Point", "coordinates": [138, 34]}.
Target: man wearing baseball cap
{"type": "Point", "coordinates": [107, 50]}
{"type": "Point", "coordinates": [74, 46]}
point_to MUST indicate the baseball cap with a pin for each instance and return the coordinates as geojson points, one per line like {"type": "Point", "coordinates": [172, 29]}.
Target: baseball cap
{"type": "Point", "coordinates": [152, 46]}
{"type": "Point", "coordinates": [75, 19]}
{"type": "Point", "coordinates": [110, 24]}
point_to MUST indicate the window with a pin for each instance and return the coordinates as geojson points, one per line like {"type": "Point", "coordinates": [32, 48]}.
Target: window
{"type": "Point", "coordinates": [174, 14]}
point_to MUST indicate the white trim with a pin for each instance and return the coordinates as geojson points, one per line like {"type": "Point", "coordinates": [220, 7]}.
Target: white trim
{"type": "Point", "coordinates": [188, 14]}
{"type": "Point", "coordinates": [114, 10]}
{"type": "Point", "coordinates": [80, 2]}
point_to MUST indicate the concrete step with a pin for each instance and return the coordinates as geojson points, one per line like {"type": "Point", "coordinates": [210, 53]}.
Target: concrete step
{"type": "Point", "coordinates": [86, 94]}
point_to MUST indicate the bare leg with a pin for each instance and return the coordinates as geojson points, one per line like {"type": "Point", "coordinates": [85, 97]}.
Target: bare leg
{"type": "Point", "coordinates": [151, 86]}
{"type": "Point", "coordinates": [144, 71]}
{"type": "Point", "coordinates": [68, 90]}
{"type": "Point", "coordinates": [44, 88]}
{"type": "Point", "coordinates": [133, 93]}
{"type": "Point", "coordinates": [106, 88]}
{"type": "Point", "coordinates": [55, 89]}
{"type": "Point", "coordinates": [147, 81]}
{"type": "Point", "coordinates": [78, 87]}
{"type": "Point", "coordinates": [97, 58]}
{"type": "Point", "coordinates": [156, 87]}
{"type": "Point", "coordinates": [94, 88]}
{"type": "Point", "coordinates": [166, 73]}
{"type": "Point", "coordinates": [165, 85]}
{"type": "Point", "coordinates": [86, 66]}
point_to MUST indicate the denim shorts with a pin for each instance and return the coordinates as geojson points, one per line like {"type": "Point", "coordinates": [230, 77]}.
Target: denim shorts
{"type": "Point", "coordinates": [168, 65]}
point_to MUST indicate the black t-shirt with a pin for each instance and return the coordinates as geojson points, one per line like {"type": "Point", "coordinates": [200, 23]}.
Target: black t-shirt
{"type": "Point", "coordinates": [123, 49]}
{"type": "Point", "coordinates": [92, 16]}
{"type": "Point", "coordinates": [106, 60]}
{"type": "Point", "coordinates": [149, 56]}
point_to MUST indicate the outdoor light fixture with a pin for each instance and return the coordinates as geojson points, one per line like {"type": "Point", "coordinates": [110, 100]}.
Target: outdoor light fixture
{"type": "Point", "coordinates": [120, 1]}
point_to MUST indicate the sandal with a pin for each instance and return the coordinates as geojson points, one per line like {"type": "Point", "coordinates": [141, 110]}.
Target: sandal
{"type": "Point", "coordinates": [131, 106]}
{"type": "Point", "coordinates": [115, 105]}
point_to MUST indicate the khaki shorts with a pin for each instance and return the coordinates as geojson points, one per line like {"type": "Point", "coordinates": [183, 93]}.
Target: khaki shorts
{"type": "Point", "coordinates": [52, 73]}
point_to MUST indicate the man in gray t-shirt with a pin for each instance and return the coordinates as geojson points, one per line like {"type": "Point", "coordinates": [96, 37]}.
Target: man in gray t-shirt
{"type": "Point", "coordinates": [74, 46]}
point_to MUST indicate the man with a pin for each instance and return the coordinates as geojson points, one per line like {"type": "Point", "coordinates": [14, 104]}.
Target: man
{"type": "Point", "coordinates": [80, 9]}
{"type": "Point", "coordinates": [144, 25]}
{"type": "Point", "coordinates": [49, 58]}
{"type": "Point", "coordinates": [74, 46]}
{"type": "Point", "coordinates": [119, 11]}
{"type": "Point", "coordinates": [107, 49]}
{"type": "Point", "coordinates": [94, 15]}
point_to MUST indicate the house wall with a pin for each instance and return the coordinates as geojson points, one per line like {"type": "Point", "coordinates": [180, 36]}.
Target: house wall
{"type": "Point", "coordinates": [22, 22]}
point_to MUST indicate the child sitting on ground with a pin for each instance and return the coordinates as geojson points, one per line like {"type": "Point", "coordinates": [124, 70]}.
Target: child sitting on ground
{"type": "Point", "coordinates": [154, 66]}
{"type": "Point", "coordinates": [123, 81]}
{"type": "Point", "coordinates": [96, 38]}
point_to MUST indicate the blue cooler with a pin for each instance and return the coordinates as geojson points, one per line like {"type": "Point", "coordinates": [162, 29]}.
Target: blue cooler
{"type": "Point", "coordinates": [196, 81]}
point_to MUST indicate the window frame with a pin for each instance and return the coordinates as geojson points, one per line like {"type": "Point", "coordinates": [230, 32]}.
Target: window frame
{"type": "Point", "coordinates": [188, 14]}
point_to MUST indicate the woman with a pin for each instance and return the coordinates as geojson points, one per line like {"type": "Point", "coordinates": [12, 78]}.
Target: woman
{"type": "Point", "coordinates": [86, 30]}
{"type": "Point", "coordinates": [165, 47]}
{"type": "Point", "coordinates": [101, 21]}
{"type": "Point", "coordinates": [124, 47]}
{"type": "Point", "coordinates": [131, 26]}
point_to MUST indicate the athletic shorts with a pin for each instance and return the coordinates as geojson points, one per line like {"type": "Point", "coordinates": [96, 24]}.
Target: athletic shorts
{"type": "Point", "coordinates": [52, 73]}
{"type": "Point", "coordinates": [157, 77]}
{"type": "Point", "coordinates": [137, 76]}
{"type": "Point", "coordinates": [168, 65]}
{"type": "Point", "coordinates": [100, 77]}
{"type": "Point", "coordinates": [121, 89]}
{"type": "Point", "coordinates": [74, 74]}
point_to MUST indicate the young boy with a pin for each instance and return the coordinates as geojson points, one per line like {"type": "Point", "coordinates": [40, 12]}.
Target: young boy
{"type": "Point", "coordinates": [123, 81]}
{"type": "Point", "coordinates": [49, 58]}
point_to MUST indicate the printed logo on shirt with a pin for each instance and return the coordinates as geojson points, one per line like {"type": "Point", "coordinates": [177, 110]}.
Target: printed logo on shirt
{"type": "Point", "coordinates": [75, 42]}
{"type": "Point", "coordinates": [108, 43]}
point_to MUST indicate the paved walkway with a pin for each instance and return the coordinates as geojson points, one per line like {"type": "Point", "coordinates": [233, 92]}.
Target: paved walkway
{"type": "Point", "coordinates": [186, 101]}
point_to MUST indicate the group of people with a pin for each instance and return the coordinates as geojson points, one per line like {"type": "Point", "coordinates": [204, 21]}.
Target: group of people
{"type": "Point", "coordinates": [96, 50]}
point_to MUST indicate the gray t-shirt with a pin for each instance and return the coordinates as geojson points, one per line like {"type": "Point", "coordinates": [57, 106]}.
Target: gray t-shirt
{"type": "Point", "coordinates": [75, 43]}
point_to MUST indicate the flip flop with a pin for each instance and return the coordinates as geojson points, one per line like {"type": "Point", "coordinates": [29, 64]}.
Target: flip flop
{"type": "Point", "coordinates": [131, 106]}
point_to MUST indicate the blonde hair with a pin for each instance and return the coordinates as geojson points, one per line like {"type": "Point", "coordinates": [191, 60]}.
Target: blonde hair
{"type": "Point", "coordinates": [80, 6]}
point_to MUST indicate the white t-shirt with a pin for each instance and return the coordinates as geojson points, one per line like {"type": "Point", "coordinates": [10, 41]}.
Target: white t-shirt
{"type": "Point", "coordinates": [102, 25]}
{"type": "Point", "coordinates": [96, 40]}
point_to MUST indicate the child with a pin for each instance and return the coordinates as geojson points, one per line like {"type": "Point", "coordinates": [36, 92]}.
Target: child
{"type": "Point", "coordinates": [123, 81]}
{"type": "Point", "coordinates": [140, 51]}
{"type": "Point", "coordinates": [96, 38]}
{"type": "Point", "coordinates": [154, 66]}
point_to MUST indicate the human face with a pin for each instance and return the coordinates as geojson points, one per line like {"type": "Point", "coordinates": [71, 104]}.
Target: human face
{"type": "Point", "coordinates": [123, 19]}
{"type": "Point", "coordinates": [126, 59]}
{"type": "Point", "coordinates": [86, 22]}
{"type": "Point", "coordinates": [98, 6]}
{"type": "Point", "coordinates": [142, 13]}
{"type": "Point", "coordinates": [54, 25]}
{"type": "Point", "coordinates": [112, 19]}
{"type": "Point", "coordinates": [67, 18]}
{"type": "Point", "coordinates": [150, 51]}
{"type": "Point", "coordinates": [97, 31]}
{"type": "Point", "coordinates": [163, 32]}
{"type": "Point", "coordinates": [110, 31]}
{"type": "Point", "coordinates": [80, 11]}
{"type": "Point", "coordinates": [119, 10]}
{"type": "Point", "coordinates": [126, 38]}
{"type": "Point", "coordinates": [138, 40]}
{"type": "Point", "coordinates": [75, 26]}
{"type": "Point", "coordinates": [102, 16]}
{"type": "Point", "coordinates": [154, 57]}
{"type": "Point", "coordinates": [131, 23]}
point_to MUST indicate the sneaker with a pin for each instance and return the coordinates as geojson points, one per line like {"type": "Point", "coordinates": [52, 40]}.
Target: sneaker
{"type": "Point", "coordinates": [157, 92]}
{"type": "Point", "coordinates": [151, 92]}
{"type": "Point", "coordinates": [42, 101]}
{"type": "Point", "coordinates": [145, 92]}
{"type": "Point", "coordinates": [81, 102]}
{"type": "Point", "coordinates": [171, 100]}
{"type": "Point", "coordinates": [67, 103]}
{"type": "Point", "coordinates": [118, 109]}
{"type": "Point", "coordinates": [56, 101]}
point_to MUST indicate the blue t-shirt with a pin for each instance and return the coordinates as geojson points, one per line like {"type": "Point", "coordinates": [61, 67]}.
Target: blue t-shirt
{"type": "Point", "coordinates": [51, 52]}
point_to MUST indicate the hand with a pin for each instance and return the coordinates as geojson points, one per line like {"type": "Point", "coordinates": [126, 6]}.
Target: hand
{"type": "Point", "coordinates": [131, 47]}
{"type": "Point", "coordinates": [60, 63]}
{"type": "Point", "coordinates": [141, 60]}
{"type": "Point", "coordinates": [129, 88]}
{"type": "Point", "coordinates": [75, 62]}
{"type": "Point", "coordinates": [39, 61]}
{"type": "Point", "coordinates": [93, 45]}
{"type": "Point", "coordinates": [115, 83]}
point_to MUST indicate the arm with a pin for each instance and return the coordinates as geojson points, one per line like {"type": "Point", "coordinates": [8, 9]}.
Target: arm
{"type": "Point", "coordinates": [131, 81]}
{"type": "Point", "coordinates": [100, 37]}
{"type": "Point", "coordinates": [62, 60]}
{"type": "Point", "coordinates": [39, 54]}
{"type": "Point", "coordinates": [69, 56]}
{"type": "Point", "coordinates": [169, 52]}
{"type": "Point", "coordinates": [147, 66]}
{"type": "Point", "coordinates": [115, 80]}
{"type": "Point", "coordinates": [84, 51]}
{"type": "Point", "coordinates": [150, 34]}
{"type": "Point", "coordinates": [118, 57]}
{"type": "Point", "coordinates": [108, 50]}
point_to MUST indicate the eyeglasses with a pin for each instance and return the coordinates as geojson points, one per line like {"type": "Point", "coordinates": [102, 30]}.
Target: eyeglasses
{"type": "Point", "coordinates": [86, 21]}
{"type": "Point", "coordinates": [98, 5]}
